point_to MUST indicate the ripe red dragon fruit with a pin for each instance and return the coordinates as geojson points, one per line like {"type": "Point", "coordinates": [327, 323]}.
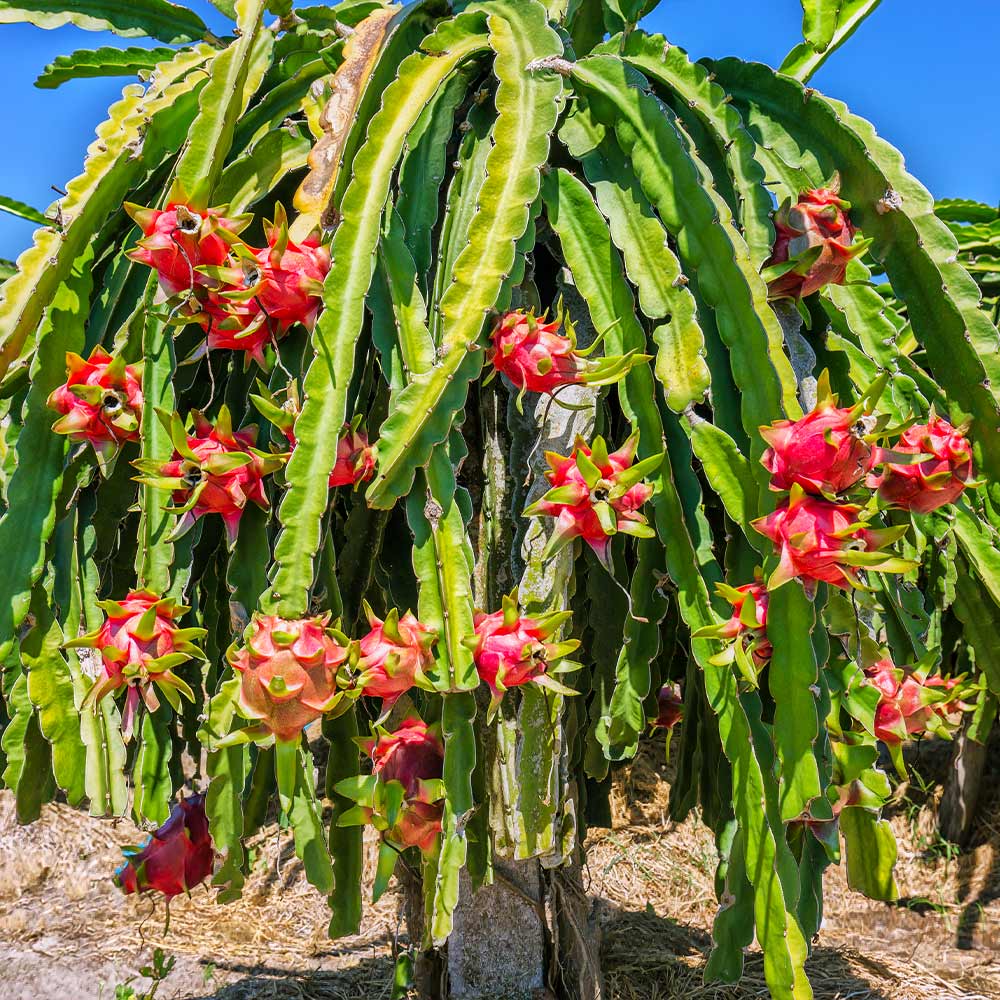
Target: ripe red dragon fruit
{"type": "Point", "coordinates": [928, 485]}
{"type": "Point", "coordinates": [140, 643]}
{"type": "Point", "coordinates": [595, 495]}
{"type": "Point", "coordinates": [178, 240]}
{"type": "Point", "coordinates": [745, 630]}
{"type": "Point", "coordinates": [235, 326]}
{"type": "Point", "coordinates": [288, 673]}
{"type": "Point", "coordinates": [909, 704]}
{"type": "Point", "coordinates": [175, 857]}
{"type": "Point", "coordinates": [814, 241]}
{"type": "Point", "coordinates": [356, 458]}
{"type": "Point", "coordinates": [213, 471]}
{"type": "Point", "coordinates": [395, 655]}
{"type": "Point", "coordinates": [669, 707]}
{"type": "Point", "coordinates": [535, 357]}
{"type": "Point", "coordinates": [510, 650]}
{"type": "Point", "coordinates": [821, 540]}
{"type": "Point", "coordinates": [403, 795]}
{"type": "Point", "coordinates": [822, 452]}
{"type": "Point", "coordinates": [100, 402]}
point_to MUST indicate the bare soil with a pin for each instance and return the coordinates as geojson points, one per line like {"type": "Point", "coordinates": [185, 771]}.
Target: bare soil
{"type": "Point", "coordinates": [65, 931]}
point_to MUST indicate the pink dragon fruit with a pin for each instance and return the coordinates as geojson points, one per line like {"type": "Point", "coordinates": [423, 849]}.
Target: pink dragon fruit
{"type": "Point", "coordinates": [394, 657]}
{"type": "Point", "coordinates": [821, 540]}
{"type": "Point", "coordinates": [236, 326]}
{"type": "Point", "coordinates": [100, 402]}
{"type": "Point", "coordinates": [510, 650]}
{"type": "Point", "coordinates": [909, 703]}
{"type": "Point", "coordinates": [670, 707]}
{"type": "Point", "coordinates": [813, 244]}
{"type": "Point", "coordinates": [595, 495]}
{"type": "Point", "coordinates": [535, 357]}
{"type": "Point", "coordinates": [175, 857]}
{"type": "Point", "coordinates": [745, 630]}
{"type": "Point", "coordinates": [939, 480]}
{"type": "Point", "coordinates": [213, 471]}
{"type": "Point", "coordinates": [822, 451]}
{"type": "Point", "coordinates": [288, 673]}
{"type": "Point", "coordinates": [140, 644]}
{"type": "Point", "coordinates": [178, 240]}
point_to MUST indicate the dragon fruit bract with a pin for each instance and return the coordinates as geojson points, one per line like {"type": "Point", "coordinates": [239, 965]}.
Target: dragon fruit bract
{"type": "Point", "coordinates": [175, 857]}
{"type": "Point", "coordinates": [909, 703]}
{"type": "Point", "coordinates": [288, 673]}
{"type": "Point", "coordinates": [928, 485]}
{"type": "Point", "coordinates": [140, 644]}
{"type": "Point", "coordinates": [394, 656]}
{"type": "Point", "coordinates": [100, 402]}
{"type": "Point", "coordinates": [746, 629]}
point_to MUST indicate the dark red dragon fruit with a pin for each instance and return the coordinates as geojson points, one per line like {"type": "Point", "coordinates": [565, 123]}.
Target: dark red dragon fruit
{"type": "Point", "coordinates": [745, 630]}
{"type": "Point", "coordinates": [938, 480]}
{"type": "Point", "coordinates": [140, 644]}
{"type": "Point", "coordinates": [100, 402]}
{"type": "Point", "coordinates": [536, 357]}
{"type": "Point", "coordinates": [669, 707]}
{"type": "Point", "coordinates": [395, 655]}
{"type": "Point", "coordinates": [822, 451]}
{"type": "Point", "coordinates": [178, 240]}
{"type": "Point", "coordinates": [288, 673]}
{"type": "Point", "coordinates": [596, 494]}
{"type": "Point", "coordinates": [819, 540]}
{"type": "Point", "coordinates": [214, 470]}
{"type": "Point", "coordinates": [175, 857]}
{"type": "Point", "coordinates": [403, 796]}
{"type": "Point", "coordinates": [511, 650]}
{"type": "Point", "coordinates": [813, 245]}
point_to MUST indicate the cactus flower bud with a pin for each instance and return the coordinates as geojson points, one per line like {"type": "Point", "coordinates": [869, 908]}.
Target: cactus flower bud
{"type": "Point", "coordinates": [140, 644]}
{"type": "Point", "coordinates": [394, 656]}
{"type": "Point", "coordinates": [100, 402]}
{"type": "Point", "coordinates": [175, 857]}
{"type": "Point", "coordinates": [930, 484]}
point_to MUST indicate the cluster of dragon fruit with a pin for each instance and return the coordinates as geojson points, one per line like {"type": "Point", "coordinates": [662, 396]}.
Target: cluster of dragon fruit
{"type": "Point", "coordinates": [846, 485]}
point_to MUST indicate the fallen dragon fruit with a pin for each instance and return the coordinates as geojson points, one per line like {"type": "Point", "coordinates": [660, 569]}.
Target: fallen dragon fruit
{"type": "Point", "coordinates": [395, 655]}
{"type": "Point", "coordinates": [213, 471]}
{"type": "Point", "coordinates": [596, 494]}
{"type": "Point", "coordinates": [745, 630]}
{"type": "Point", "coordinates": [813, 245]}
{"type": "Point", "coordinates": [510, 650]}
{"type": "Point", "coordinates": [140, 645]}
{"type": "Point", "coordinates": [100, 403]}
{"type": "Point", "coordinates": [288, 674]}
{"type": "Point", "coordinates": [819, 540]}
{"type": "Point", "coordinates": [175, 857]}
{"type": "Point", "coordinates": [535, 357]}
{"type": "Point", "coordinates": [402, 797]}
{"type": "Point", "coordinates": [938, 480]}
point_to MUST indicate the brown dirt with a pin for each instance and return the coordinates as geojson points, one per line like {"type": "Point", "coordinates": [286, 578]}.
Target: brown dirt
{"type": "Point", "coordinates": [66, 931]}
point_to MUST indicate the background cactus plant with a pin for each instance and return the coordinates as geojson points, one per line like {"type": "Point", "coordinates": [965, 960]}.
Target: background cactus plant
{"type": "Point", "coordinates": [444, 167]}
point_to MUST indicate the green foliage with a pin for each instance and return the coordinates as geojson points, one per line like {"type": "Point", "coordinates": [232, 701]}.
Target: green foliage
{"type": "Point", "coordinates": [507, 156]}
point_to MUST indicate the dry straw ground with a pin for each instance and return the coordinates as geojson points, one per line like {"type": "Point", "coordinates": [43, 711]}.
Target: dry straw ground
{"type": "Point", "coordinates": [66, 932]}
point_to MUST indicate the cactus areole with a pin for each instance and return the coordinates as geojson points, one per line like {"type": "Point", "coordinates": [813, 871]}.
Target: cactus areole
{"type": "Point", "coordinates": [443, 364]}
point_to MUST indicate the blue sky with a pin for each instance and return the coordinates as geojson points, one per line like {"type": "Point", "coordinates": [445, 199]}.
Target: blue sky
{"type": "Point", "coordinates": [926, 75]}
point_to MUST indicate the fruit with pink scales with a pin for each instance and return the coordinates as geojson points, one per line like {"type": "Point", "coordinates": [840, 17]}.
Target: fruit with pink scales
{"type": "Point", "coordinates": [939, 479]}
{"type": "Point", "coordinates": [288, 671]}
{"type": "Point", "coordinates": [175, 857]}
{"type": "Point", "coordinates": [214, 470]}
{"type": "Point", "coordinates": [395, 656]}
{"type": "Point", "coordinates": [510, 650]}
{"type": "Point", "coordinates": [745, 630]}
{"type": "Point", "coordinates": [100, 403]}
{"type": "Point", "coordinates": [596, 494]}
{"type": "Point", "coordinates": [819, 540]}
{"type": "Point", "coordinates": [140, 644]}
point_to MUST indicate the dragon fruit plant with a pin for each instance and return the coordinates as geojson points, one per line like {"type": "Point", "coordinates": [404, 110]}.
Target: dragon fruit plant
{"type": "Point", "coordinates": [510, 315]}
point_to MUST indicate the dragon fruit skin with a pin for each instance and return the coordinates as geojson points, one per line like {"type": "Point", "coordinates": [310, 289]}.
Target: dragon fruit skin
{"type": "Point", "coordinates": [288, 673]}
{"type": "Point", "coordinates": [395, 655]}
{"type": "Point", "coordinates": [745, 630]}
{"type": "Point", "coordinates": [819, 452]}
{"type": "Point", "coordinates": [903, 709]}
{"type": "Point", "coordinates": [817, 220]}
{"type": "Point", "coordinates": [819, 540]}
{"type": "Point", "coordinates": [178, 240]}
{"type": "Point", "coordinates": [533, 355]}
{"type": "Point", "coordinates": [140, 644]}
{"type": "Point", "coordinates": [595, 494]}
{"type": "Point", "coordinates": [290, 277]}
{"type": "Point", "coordinates": [928, 485]}
{"type": "Point", "coordinates": [356, 458]}
{"type": "Point", "coordinates": [174, 858]}
{"type": "Point", "coordinates": [100, 402]}
{"type": "Point", "coordinates": [670, 707]}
